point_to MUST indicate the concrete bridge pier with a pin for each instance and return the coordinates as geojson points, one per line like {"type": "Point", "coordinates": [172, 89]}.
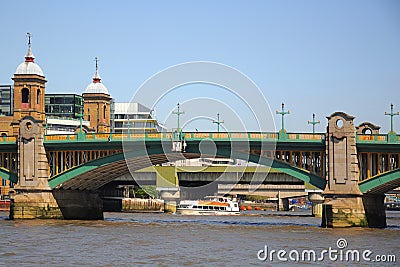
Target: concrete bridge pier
{"type": "Point", "coordinates": [283, 203]}
{"type": "Point", "coordinates": [170, 195]}
{"type": "Point", "coordinates": [316, 200]}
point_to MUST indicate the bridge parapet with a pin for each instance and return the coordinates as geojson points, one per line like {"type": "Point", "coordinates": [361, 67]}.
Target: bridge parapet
{"type": "Point", "coordinates": [194, 136]}
{"type": "Point", "coordinates": [378, 138]}
{"type": "Point", "coordinates": [8, 139]}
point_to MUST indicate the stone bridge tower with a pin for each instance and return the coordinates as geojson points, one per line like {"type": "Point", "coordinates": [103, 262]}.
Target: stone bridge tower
{"type": "Point", "coordinates": [29, 115]}
{"type": "Point", "coordinates": [29, 91]}
{"type": "Point", "coordinates": [96, 101]}
{"type": "Point", "coordinates": [33, 198]}
{"type": "Point", "coordinates": [343, 205]}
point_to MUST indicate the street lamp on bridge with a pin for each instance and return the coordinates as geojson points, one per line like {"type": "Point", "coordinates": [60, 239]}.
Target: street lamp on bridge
{"type": "Point", "coordinates": [80, 115]}
{"type": "Point", "coordinates": [313, 122]}
{"type": "Point", "coordinates": [178, 114]}
{"type": "Point", "coordinates": [391, 114]}
{"type": "Point", "coordinates": [218, 122]}
{"type": "Point", "coordinates": [283, 113]}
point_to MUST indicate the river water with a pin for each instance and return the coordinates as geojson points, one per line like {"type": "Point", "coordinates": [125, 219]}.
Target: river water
{"type": "Point", "coordinates": [156, 239]}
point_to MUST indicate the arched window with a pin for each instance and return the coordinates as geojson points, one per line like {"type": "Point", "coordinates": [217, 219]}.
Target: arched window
{"type": "Point", "coordinates": [104, 113]}
{"type": "Point", "coordinates": [367, 131]}
{"type": "Point", "coordinates": [25, 95]}
{"type": "Point", "coordinates": [38, 97]}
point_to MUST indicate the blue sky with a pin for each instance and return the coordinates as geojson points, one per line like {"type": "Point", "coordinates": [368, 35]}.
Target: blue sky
{"type": "Point", "coordinates": [316, 56]}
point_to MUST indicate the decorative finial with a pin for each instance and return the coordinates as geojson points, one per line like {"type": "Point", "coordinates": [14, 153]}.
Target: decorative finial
{"type": "Point", "coordinates": [96, 59]}
{"type": "Point", "coordinates": [29, 38]}
{"type": "Point", "coordinates": [96, 77]}
{"type": "Point", "coordinates": [29, 55]}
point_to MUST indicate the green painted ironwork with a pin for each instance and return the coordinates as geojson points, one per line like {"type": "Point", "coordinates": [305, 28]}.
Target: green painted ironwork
{"type": "Point", "coordinates": [303, 175]}
{"type": "Point", "coordinates": [218, 122]}
{"type": "Point", "coordinates": [104, 161]}
{"type": "Point", "coordinates": [8, 140]}
{"type": "Point", "coordinates": [298, 173]}
{"type": "Point", "coordinates": [75, 171]}
{"type": "Point", "coordinates": [47, 126]}
{"type": "Point", "coordinates": [392, 114]}
{"type": "Point", "coordinates": [7, 175]}
{"type": "Point", "coordinates": [239, 136]}
{"type": "Point", "coordinates": [363, 140]}
{"type": "Point", "coordinates": [379, 139]}
{"type": "Point", "coordinates": [388, 181]}
{"type": "Point", "coordinates": [283, 113]}
{"type": "Point", "coordinates": [313, 122]}
{"type": "Point", "coordinates": [129, 128]}
{"type": "Point", "coordinates": [178, 114]}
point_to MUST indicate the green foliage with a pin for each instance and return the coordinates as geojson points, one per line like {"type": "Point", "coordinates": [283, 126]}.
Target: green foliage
{"type": "Point", "coordinates": [146, 191]}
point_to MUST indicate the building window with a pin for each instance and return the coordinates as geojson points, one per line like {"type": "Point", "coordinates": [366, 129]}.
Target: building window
{"type": "Point", "coordinates": [105, 109]}
{"type": "Point", "coordinates": [38, 97]}
{"type": "Point", "coordinates": [25, 95]}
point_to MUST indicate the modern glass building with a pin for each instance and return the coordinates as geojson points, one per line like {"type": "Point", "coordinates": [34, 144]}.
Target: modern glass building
{"type": "Point", "coordinates": [6, 100]}
{"type": "Point", "coordinates": [63, 105]}
{"type": "Point", "coordinates": [135, 117]}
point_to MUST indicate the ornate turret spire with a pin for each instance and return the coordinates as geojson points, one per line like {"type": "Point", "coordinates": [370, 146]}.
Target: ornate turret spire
{"type": "Point", "coordinates": [96, 77]}
{"type": "Point", "coordinates": [29, 55]}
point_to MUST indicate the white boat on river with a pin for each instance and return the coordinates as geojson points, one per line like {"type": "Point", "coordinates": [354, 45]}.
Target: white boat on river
{"type": "Point", "coordinates": [211, 205]}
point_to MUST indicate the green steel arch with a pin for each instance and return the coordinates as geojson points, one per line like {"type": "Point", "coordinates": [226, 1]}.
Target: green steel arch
{"type": "Point", "coordinates": [6, 174]}
{"type": "Point", "coordinates": [106, 169]}
{"type": "Point", "coordinates": [382, 183]}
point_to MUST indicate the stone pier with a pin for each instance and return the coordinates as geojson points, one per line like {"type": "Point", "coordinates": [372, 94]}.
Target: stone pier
{"type": "Point", "coordinates": [283, 203]}
{"type": "Point", "coordinates": [345, 205]}
{"type": "Point", "coordinates": [56, 204]}
{"type": "Point", "coordinates": [171, 197]}
{"type": "Point", "coordinates": [316, 200]}
{"type": "Point", "coordinates": [33, 198]}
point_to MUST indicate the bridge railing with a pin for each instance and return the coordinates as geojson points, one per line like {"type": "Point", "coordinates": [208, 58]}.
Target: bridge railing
{"type": "Point", "coordinates": [378, 138]}
{"type": "Point", "coordinates": [8, 139]}
{"type": "Point", "coordinates": [267, 136]}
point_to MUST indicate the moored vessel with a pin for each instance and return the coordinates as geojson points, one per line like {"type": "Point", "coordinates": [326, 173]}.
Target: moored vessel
{"type": "Point", "coordinates": [210, 205]}
{"type": "Point", "coordinates": [4, 204]}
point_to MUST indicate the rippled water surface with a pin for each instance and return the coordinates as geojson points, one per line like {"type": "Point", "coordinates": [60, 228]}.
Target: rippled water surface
{"type": "Point", "coordinates": [132, 239]}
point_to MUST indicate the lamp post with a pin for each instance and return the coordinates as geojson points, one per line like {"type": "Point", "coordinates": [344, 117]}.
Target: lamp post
{"type": "Point", "coordinates": [47, 126]}
{"type": "Point", "coordinates": [313, 122]}
{"type": "Point", "coordinates": [391, 114]}
{"type": "Point", "coordinates": [218, 122]}
{"type": "Point", "coordinates": [80, 121]}
{"type": "Point", "coordinates": [283, 113]}
{"type": "Point", "coordinates": [129, 128]}
{"type": "Point", "coordinates": [80, 115]}
{"type": "Point", "coordinates": [178, 113]}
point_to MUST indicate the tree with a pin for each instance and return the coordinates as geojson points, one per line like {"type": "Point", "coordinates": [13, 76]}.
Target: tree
{"type": "Point", "coordinates": [146, 191]}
